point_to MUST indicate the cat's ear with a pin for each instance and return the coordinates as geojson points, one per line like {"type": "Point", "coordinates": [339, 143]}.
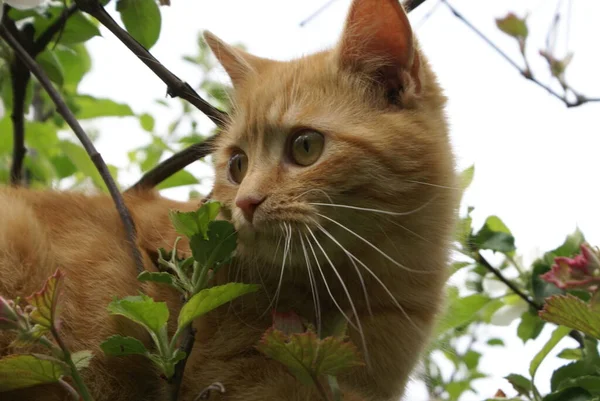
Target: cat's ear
{"type": "Point", "coordinates": [238, 63]}
{"type": "Point", "coordinates": [378, 39]}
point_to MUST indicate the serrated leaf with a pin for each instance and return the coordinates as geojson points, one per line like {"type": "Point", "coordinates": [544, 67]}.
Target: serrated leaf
{"type": "Point", "coordinates": [157, 277]}
{"type": "Point", "coordinates": [21, 371]}
{"type": "Point", "coordinates": [45, 302]}
{"type": "Point", "coordinates": [558, 334]}
{"type": "Point", "coordinates": [219, 245]}
{"type": "Point", "coordinates": [142, 20]}
{"type": "Point", "coordinates": [143, 310]}
{"type": "Point", "coordinates": [179, 179]}
{"type": "Point", "coordinates": [119, 345]}
{"type": "Point", "coordinates": [513, 26]}
{"type": "Point", "coordinates": [82, 359]}
{"type": "Point", "coordinates": [570, 311]}
{"type": "Point", "coordinates": [520, 383]}
{"type": "Point", "coordinates": [211, 298]}
{"type": "Point", "coordinates": [192, 223]}
{"type": "Point", "coordinates": [306, 356]}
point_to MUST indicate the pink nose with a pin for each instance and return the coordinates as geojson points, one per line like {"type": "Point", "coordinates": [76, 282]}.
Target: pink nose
{"type": "Point", "coordinates": [248, 205]}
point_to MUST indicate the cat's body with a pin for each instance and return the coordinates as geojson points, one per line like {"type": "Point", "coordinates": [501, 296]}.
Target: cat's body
{"type": "Point", "coordinates": [368, 213]}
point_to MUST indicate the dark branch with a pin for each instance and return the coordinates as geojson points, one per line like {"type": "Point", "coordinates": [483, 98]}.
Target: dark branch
{"type": "Point", "coordinates": [186, 346]}
{"type": "Point", "coordinates": [175, 163]}
{"type": "Point", "coordinates": [57, 26]}
{"type": "Point", "coordinates": [574, 334]}
{"type": "Point", "coordinates": [64, 111]}
{"type": "Point", "coordinates": [525, 72]}
{"type": "Point", "coordinates": [175, 86]}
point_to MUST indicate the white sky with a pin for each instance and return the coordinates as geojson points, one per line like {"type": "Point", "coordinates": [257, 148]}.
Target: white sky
{"type": "Point", "coordinates": [535, 159]}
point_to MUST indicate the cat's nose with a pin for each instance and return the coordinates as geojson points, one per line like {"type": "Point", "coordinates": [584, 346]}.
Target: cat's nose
{"type": "Point", "coordinates": [248, 205]}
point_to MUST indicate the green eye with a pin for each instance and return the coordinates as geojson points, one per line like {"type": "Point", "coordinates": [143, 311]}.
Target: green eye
{"type": "Point", "coordinates": [306, 147]}
{"type": "Point", "coordinates": [238, 164]}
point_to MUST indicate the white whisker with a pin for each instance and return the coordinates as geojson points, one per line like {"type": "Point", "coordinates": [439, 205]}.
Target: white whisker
{"type": "Point", "coordinates": [313, 190]}
{"type": "Point", "coordinates": [385, 288]}
{"type": "Point", "coordinates": [359, 328]}
{"type": "Point", "coordinates": [433, 185]}
{"type": "Point", "coordinates": [366, 209]}
{"type": "Point", "coordinates": [313, 287]}
{"type": "Point", "coordinates": [385, 255]}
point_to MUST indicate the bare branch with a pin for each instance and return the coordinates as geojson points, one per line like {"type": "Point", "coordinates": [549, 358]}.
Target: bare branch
{"type": "Point", "coordinates": [64, 111]}
{"type": "Point", "coordinates": [186, 346]}
{"type": "Point", "coordinates": [580, 99]}
{"type": "Point", "coordinates": [175, 86]}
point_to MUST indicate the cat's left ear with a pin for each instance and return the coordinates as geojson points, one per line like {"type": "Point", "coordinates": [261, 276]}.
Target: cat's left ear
{"type": "Point", "coordinates": [238, 63]}
{"type": "Point", "coordinates": [378, 40]}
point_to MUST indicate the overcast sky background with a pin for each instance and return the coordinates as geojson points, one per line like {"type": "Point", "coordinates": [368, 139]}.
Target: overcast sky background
{"type": "Point", "coordinates": [536, 161]}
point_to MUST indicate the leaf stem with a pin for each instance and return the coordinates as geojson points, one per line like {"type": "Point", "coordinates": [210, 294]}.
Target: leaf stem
{"type": "Point", "coordinates": [83, 390]}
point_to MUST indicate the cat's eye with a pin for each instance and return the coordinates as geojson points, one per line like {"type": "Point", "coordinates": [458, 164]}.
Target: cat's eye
{"type": "Point", "coordinates": [306, 147]}
{"type": "Point", "coordinates": [238, 164]}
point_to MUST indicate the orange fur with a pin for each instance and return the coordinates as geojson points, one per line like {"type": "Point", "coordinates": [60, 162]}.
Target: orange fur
{"type": "Point", "coordinates": [392, 155]}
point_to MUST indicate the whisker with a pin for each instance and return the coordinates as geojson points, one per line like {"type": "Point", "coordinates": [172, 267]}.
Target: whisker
{"type": "Point", "coordinates": [313, 287]}
{"type": "Point", "coordinates": [385, 288]}
{"type": "Point", "coordinates": [419, 236]}
{"type": "Point", "coordinates": [366, 209]}
{"type": "Point", "coordinates": [373, 246]}
{"type": "Point", "coordinates": [434, 185]}
{"type": "Point", "coordinates": [360, 330]}
{"type": "Point", "coordinates": [314, 190]}
{"type": "Point", "coordinates": [286, 244]}
{"type": "Point", "coordinates": [362, 281]}
{"type": "Point", "coordinates": [327, 285]}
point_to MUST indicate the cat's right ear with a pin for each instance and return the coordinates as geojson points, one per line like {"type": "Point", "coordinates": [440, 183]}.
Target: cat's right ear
{"type": "Point", "coordinates": [238, 63]}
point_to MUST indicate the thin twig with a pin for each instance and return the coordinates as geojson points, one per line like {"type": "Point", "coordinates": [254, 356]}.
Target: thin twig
{"type": "Point", "coordinates": [580, 99]}
{"type": "Point", "coordinates": [40, 44]}
{"type": "Point", "coordinates": [68, 116]}
{"type": "Point", "coordinates": [173, 164]}
{"type": "Point", "coordinates": [576, 335]}
{"type": "Point", "coordinates": [186, 346]}
{"type": "Point", "coordinates": [175, 86]}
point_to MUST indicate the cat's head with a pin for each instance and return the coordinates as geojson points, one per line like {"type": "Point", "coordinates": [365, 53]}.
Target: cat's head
{"type": "Point", "coordinates": [313, 140]}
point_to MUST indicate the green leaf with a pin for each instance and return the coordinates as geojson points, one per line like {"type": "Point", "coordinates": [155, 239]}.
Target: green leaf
{"type": "Point", "coordinates": [91, 107]}
{"type": "Point", "coordinates": [143, 310]}
{"type": "Point", "coordinates": [178, 179]}
{"type": "Point", "coordinates": [82, 359]}
{"type": "Point", "coordinates": [530, 327]}
{"type": "Point", "coordinates": [118, 346]}
{"type": "Point", "coordinates": [513, 26]}
{"type": "Point", "coordinates": [45, 302]}
{"type": "Point", "coordinates": [462, 311]}
{"type": "Point", "coordinates": [567, 372]}
{"type": "Point", "coordinates": [590, 383]}
{"type": "Point", "coordinates": [21, 371]}
{"type": "Point", "coordinates": [520, 383]}
{"type": "Point", "coordinates": [471, 359]}
{"type": "Point", "coordinates": [142, 20]}
{"type": "Point", "coordinates": [82, 161]}
{"type": "Point", "coordinates": [571, 244]}
{"type": "Point", "coordinates": [570, 354]}
{"type": "Point", "coordinates": [211, 298]}
{"type": "Point", "coordinates": [192, 223]}
{"type": "Point", "coordinates": [77, 29]}
{"type": "Point", "coordinates": [51, 65]}
{"type": "Point", "coordinates": [77, 59]}
{"type": "Point", "coordinates": [557, 335]}
{"type": "Point", "coordinates": [540, 288]}
{"type": "Point", "coordinates": [157, 277]}
{"type": "Point", "coordinates": [570, 394]}
{"type": "Point", "coordinates": [147, 122]}
{"type": "Point", "coordinates": [495, 342]}
{"type": "Point", "coordinates": [494, 235]}
{"type": "Point", "coordinates": [306, 356]}
{"type": "Point", "coordinates": [219, 246]}
{"type": "Point", "coordinates": [570, 311]}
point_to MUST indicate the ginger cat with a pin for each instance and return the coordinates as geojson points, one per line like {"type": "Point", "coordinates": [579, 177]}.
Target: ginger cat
{"type": "Point", "coordinates": [337, 172]}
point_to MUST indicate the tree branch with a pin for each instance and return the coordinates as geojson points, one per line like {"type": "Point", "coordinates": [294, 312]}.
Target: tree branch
{"type": "Point", "coordinates": [580, 99]}
{"type": "Point", "coordinates": [175, 86]}
{"type": "Point", "coordinates": [186, 346]}
{"type": "Point", "coordinates": [64, 111]}
{"type": "Point", "coordinates": [574, 334]}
